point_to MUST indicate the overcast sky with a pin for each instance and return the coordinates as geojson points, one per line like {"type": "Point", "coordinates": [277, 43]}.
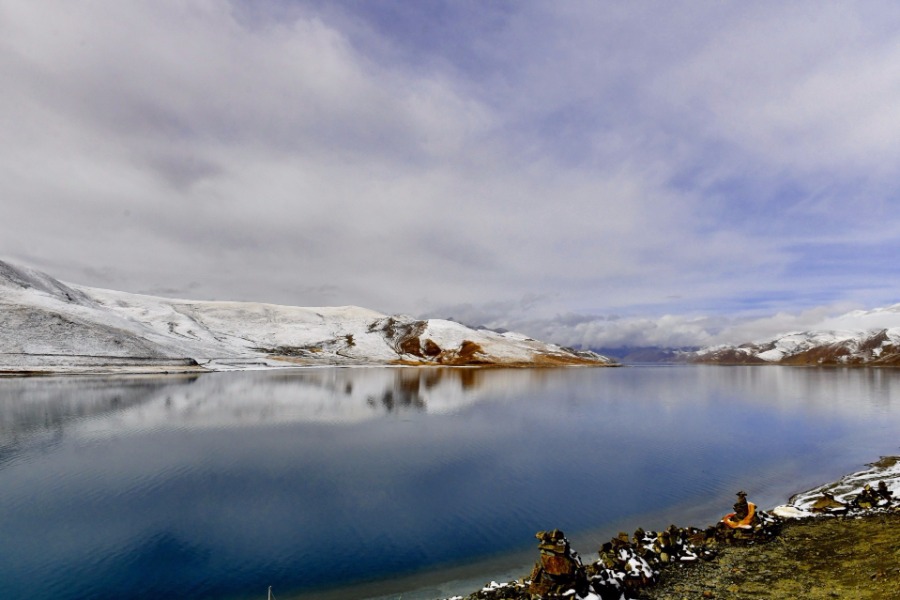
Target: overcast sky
{"type": "Point", "coordinates": [598, 173]}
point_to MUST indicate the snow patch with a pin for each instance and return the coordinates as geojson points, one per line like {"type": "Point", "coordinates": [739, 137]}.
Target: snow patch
{"type": "Point", "coordinates": [42, 317]}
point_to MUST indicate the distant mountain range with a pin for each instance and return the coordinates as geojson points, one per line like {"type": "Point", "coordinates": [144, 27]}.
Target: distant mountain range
{"type": "Point", "coordinates": [857, 338]}
{"type": "Point", "coordinates": [811, 348]}
{"type": "Point", "coordinates": [50, 326]}
{"type": "Point", "coordinates": [633, 355]}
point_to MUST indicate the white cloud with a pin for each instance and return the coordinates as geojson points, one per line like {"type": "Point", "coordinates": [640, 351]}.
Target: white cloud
{"type": "Point", "coordinates": [603, 157]}
{"type": "Point", "coordinates": [672, 330]}
{"type": "Point", "coordinates": [800, 87]}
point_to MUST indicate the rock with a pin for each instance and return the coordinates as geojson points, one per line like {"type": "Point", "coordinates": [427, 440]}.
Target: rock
{"type": "Point", "coordinates": [884, 493]}
{"type": "Point", "coordinates": [560, 569]}
{"type": "Point", "coordinates": [867, 498]}
{"type": "Point", "coordinates": [827, 504]}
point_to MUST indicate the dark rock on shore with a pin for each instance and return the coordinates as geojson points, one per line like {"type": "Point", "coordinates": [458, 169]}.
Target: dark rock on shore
{"type": "Point", "coordinates": [854, 553]}
{"type": "Point", "coordinates": [823, 558]}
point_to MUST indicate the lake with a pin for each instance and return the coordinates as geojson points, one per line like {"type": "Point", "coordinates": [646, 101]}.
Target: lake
{"type": "Point", "coordinates": [365, 482]}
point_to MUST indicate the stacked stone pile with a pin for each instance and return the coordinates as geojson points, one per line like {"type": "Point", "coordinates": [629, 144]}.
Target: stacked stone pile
{"type": "Point", "coordinates": [625, 566]}
{"type": "Point", "coordinates": [870, 498]}
{"type": "Point", "coordinates": [765, 527]}
{"type": "Point", "coordinates": [628, 565]}
{"type": "Point", "coordinates": [559, 570]}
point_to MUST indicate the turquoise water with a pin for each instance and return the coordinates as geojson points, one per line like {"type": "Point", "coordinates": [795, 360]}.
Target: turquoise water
{"type": "Point", "coordinates": [383, 481]}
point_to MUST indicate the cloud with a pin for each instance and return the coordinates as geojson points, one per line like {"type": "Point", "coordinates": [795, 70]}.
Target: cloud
{"type": "Point", "coordinates": [803, 93]}
{"type": "Point", "coordinates": [637, 160]}
{"type": "Point", "coordinates": [675, 330]}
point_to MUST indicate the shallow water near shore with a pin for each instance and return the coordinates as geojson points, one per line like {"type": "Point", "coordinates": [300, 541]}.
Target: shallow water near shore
{"type": "Point", "coordinates": [367, 482]}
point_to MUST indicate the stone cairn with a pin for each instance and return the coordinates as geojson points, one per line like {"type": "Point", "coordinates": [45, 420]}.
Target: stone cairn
{"type": "Point", "coordinates": [627, 565]}
{"type": "Point", "coordinates": [747, 525]}
{"type": "Point", "coordinates": [560, 568]}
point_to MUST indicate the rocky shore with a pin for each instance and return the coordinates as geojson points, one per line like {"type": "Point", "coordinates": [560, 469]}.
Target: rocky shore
{"type": "Point", "coordinates": [840, 540]}
{"type": "Point", "coordinates": [817, 558]}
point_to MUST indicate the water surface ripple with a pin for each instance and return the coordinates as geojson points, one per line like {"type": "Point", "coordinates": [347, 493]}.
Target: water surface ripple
{"type": "Point", "coordinates": [221, 485]}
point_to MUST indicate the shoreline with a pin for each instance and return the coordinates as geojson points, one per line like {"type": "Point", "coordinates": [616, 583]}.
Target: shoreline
{"type": "Point", "coordinates": [191, 366]}
{"type": "Point", "coordinates": [768, 487]}
{"type": "Point", "coordinates": [805, 554]}
{"type": "Point", "coordinates": [818, 558]}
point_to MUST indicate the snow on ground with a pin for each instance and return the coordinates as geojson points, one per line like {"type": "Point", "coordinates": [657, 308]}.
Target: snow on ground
{"type": "Point", "coordinates": [507, 347]}
{"type": "Point", "coordinates": [49, 325]}
{"type": "Point", "coordinates": [245, 329]}
{"type": "Point", "coordinates": [846, 488]}
{"type": "Point", "coordinates": [829, 347]}
{"type": "Point", "coordinates": [856, 338]}
{"type": "Point", "coordinates": [794, 343]}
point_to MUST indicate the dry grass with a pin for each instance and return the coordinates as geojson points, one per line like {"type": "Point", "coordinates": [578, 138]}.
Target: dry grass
{"type": "Point", "coordinates": [814, 559]}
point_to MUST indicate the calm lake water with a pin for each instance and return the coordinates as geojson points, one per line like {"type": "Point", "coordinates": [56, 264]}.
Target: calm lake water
{"type": "Point", "coordinates": [396, 481]}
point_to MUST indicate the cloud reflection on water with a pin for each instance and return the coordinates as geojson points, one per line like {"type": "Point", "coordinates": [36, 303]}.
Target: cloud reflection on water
{"type": "Point", "coordinates": [29, 405]}
{"type": "Point", "coordinates": [398, 469]}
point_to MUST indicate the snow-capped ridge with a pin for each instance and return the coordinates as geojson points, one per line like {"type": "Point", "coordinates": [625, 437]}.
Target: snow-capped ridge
{"type": "Point", "coordinates": [47, 325]}
{"type": "Point", "coordinates": [16, 277]}
{"type": "Point", "coordinates": [875, 346]}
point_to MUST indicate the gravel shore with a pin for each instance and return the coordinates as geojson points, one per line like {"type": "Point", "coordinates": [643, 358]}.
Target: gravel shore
{"type": "Point", "coordinates": [853, 551]}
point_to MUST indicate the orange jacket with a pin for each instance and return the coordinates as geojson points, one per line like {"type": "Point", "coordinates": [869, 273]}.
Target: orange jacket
{"type": "Point", "coordinates": [743, 523]}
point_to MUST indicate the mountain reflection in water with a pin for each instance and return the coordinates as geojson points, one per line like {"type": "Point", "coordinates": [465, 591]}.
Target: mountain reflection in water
{"type": "Point", "coordinates": [219, 485]}
{"type": "Point", "coordinates": [29, 405]}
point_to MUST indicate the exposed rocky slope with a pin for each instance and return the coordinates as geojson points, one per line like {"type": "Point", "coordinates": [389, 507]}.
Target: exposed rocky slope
{"type": "Point", "coordinates": [47, 325]}
{"type": "Point", "coordinates": [878, 348]}
{"type": "Point", "coordinates": [859, 338]}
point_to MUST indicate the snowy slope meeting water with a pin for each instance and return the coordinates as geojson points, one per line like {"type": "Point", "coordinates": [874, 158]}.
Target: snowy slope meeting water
{"type": "Point", "coordinates": [50, 326]}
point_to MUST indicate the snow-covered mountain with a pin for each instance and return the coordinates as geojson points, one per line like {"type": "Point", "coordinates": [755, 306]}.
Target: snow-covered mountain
{"type": "Point", "coordinates": [47, 325]}
{"type": "Point", "coordinates": [856, 338]}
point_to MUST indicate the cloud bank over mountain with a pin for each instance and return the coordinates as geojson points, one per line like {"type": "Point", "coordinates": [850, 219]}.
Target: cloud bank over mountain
{"type": "Point", "coordinates": [677, 331]}
{"type": "Point", "coordinates": [667, 164]}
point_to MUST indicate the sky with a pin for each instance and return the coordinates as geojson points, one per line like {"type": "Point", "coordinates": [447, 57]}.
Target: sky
{"type": "Point", "coordinates": [596, 173]}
